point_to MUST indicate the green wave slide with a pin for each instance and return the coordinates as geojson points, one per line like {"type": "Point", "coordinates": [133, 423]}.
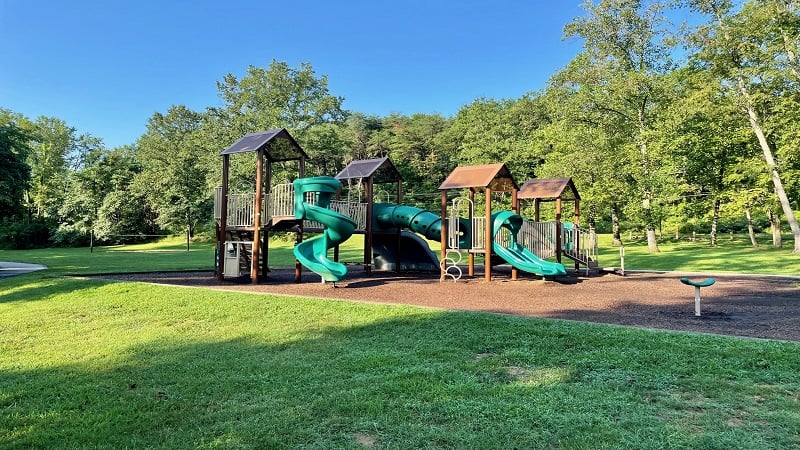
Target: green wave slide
{"type": "Point", "coordinates": [516, 254]}
{"type": "Point", "coordinates": [337, 228]}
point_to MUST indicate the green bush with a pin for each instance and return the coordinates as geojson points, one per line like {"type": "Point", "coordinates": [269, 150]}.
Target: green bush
{"type": "Point", "coordinates": [69, 236]}
{"type": "Point", "coordinates": [21, 235]}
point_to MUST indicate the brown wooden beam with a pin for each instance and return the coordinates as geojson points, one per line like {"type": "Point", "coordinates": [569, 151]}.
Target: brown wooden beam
{"type": "Point", "coordinates": [223, 221]}
{"type": "Point", "coordinates": [487, 258]}
{"type": "Point", "coordinates": [254, 265]}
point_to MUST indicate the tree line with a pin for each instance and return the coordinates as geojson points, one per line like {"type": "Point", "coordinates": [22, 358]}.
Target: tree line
{"type": "Point", "coordinates": [664, 127]}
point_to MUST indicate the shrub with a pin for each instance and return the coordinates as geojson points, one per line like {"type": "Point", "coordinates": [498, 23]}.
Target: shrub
{"type": "Point", "coordinates": [69, 236]}
{"type": "Point", "coordinates": [24, 234]}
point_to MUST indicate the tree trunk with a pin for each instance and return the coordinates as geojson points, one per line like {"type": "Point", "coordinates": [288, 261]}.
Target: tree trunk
{"type": "Point", "coordinates": [775, 226]}
{"type": "Point", "coordinates": [755, 123]}
{"type": "Point", "coordinates": [652, 241]}
{"type": "Point", "coordinates": [715, 222]}
{"type": "Point", "coordinates": [647, 198]}
{"type": "Point", "coordinates": [787, 40]}
{"type": "Point", "coordinates": [650, 227]}
{"type": "Point", "coordinates": [615, 225]}
{"type": "Point", "coordinates": [750, 231]}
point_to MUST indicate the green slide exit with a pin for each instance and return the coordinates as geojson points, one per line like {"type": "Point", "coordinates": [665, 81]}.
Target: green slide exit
{"type": "Point", "coordinates": [516, 254]}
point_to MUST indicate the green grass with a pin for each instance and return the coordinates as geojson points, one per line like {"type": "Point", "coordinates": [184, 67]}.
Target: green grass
{"type": "Point", "coordinates": [94, 364]}
{"type": "Point", "coordinates": [736, 256]}
{"type": "Point", "coordinates": [165, 255]}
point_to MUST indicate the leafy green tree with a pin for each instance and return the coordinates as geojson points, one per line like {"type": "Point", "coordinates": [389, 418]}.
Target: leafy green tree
{"type": "Point", "coordinates": [752, 54]}
{"type": "Point", "coordinates": [412, 144]}
{"type": "Point", "coordinates": [326, 146]}
{"type": "Point", "coordinates": [279, 96]}
{"type": "Point", "coordinates": [617, 82]}
{"type": "Point", "coordinates": [125, 216]}
{"type": "Point", "coordinates": [489, 131]}
{"type": "Point", "coordinates": [51, 147]}
{"type": "Point", "coordinates": [173, 172]}
{"type": "Point", "coordinates": [101, 173]}
{"type": "Point", "coordinates": [360, 132]}
{"type": "Point", "coordinates": [14, 171]}
{"type": "Point", "coordinates": [701, 131]}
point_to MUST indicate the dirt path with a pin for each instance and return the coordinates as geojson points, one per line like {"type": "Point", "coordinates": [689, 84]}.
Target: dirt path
{"type": "Point", "coordinates": [761, 307]}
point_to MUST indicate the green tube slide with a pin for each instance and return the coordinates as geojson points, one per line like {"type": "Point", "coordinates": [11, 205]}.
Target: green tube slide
{"type": "Point", "coordinates": [337, 228]}
{"type": "Point", "coordinates": [388, 216]}
{"type": "Point", "coordinates": [516, 254]}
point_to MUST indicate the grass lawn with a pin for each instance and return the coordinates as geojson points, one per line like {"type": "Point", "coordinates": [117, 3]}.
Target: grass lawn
{"type": "Point", "coordinates": [93, 364]}
{"type": "Point", "coordinates": [736, 256]}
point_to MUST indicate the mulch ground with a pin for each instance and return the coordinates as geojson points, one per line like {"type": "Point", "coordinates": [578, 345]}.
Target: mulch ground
{"type": "Point", "coordinates": [737, 305]}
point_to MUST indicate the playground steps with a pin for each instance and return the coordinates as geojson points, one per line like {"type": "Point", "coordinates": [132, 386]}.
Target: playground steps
{"type": "Point", "coordinates": [586, 261]}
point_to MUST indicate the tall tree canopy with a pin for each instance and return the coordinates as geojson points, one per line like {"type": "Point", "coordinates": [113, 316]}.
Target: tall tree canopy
{"type": "Point", "coordinates": [618, 80]}
{"type": "Point", "coordinates": [173, 176]}
{"type": "Point", "coordinates": [14, 171]}
{"type": "Point", "coordinates": [752, 54]}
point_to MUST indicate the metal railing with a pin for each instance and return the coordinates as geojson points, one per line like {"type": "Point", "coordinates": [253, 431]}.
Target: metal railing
{"type": "Point", "coordinates": [478, 236]}
{"type": "Point", "coordinates": [585, 251]}
{"type": "Point", "coordinates": [280, 203]}
{"type": "Point", "coordinates": [355, 211]}
{"type": "Point", "coordinates": [538, 237]}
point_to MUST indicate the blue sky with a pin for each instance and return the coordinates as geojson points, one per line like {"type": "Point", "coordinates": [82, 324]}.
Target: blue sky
{"type": "Point", "coordinates": [105, 67]}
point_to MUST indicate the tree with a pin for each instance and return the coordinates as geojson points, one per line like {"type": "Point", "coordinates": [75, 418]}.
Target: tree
{"type": "Point", "coordinates": [617, 79]}
{"type": "Point", "coordinates": [279, 96]}
{"type": "Point", "coordinates": [102, 173]}
{"type": "Point", "coordinates": [412, 144]}
{"type": "Point", "coordinates": [744, 53]}
{"type": "Point", "coordinates": [14, 171]}
{"type": "Point", "coordinates": [700, 130]}
{"type": "Point", "coordinates": [52, 144]}
{"type": "Point", "coordinates": [173, 176]}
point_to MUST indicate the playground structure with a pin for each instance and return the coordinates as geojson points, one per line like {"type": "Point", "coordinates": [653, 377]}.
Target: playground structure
{"type": "Point", "coordinates": [245, 219]}
{"type": "Point", "coordinates": [493, 233]}
{"type": "Point", "coordinates": [392, 231]}
{"type": "Point", "coordinates": [575, 243]}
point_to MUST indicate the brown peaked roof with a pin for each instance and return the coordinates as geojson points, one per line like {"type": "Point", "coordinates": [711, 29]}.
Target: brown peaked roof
{"type": "Point", "coordinates": [494, 176]}
{"type": "Point", "coordinates": [380, 169]}
{"type": "Point", "coordinates": [549, 189]}
{"type": "Point", "coordinates": [278, 144]}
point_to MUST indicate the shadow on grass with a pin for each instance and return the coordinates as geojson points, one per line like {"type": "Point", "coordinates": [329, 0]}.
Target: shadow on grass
{"type": "Point", "coordinates": [41, 285]}
{"type": "Point", "coordinates": [426, 380]}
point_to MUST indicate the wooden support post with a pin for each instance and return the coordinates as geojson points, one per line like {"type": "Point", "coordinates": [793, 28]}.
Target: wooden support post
{"type": "Point", "coordinates": [576, 237]}
{"type": "Point", "coordinates": [558, 230]}
{"type": "Point", "coordinates": [515, 208]}
{"type": "Point", "coordinates": [471, 256]}
{"type": "Point", "coordinates": [488, 237]}
{"type": "Point", "coordinates": [223, 221]}
{"type": "Point", "coordinates": [443, 237]}
{"type": "Point", "coordinates": [267, 188]}
{"type": "Point", "coordinates": [256, 247]}
{"type": "Point", "coordinates": [368, 231]}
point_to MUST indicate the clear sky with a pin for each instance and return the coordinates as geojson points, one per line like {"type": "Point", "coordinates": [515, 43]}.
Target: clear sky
{"type": "Point", "coordinates": [105, 67]}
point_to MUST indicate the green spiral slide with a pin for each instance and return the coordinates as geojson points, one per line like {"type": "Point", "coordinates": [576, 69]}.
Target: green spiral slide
{"type": "Point", "coordinates": [516, 254]}
{"type": "Point", "coordinates": [337, 227]}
